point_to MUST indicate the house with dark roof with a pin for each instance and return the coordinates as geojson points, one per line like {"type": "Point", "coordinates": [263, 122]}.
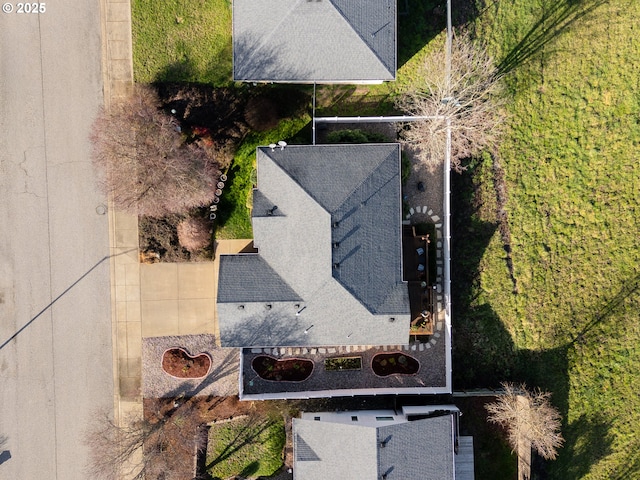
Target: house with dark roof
{"type": "Point", "coordinates": [419, 444]}
{"type": "Point", "coordinates": [328, 268]}
{"type": "Point", "coordinates": [306, 41]}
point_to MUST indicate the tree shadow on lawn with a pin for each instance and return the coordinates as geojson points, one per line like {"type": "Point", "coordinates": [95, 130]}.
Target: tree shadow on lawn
{"type": "Point", "coordinates": [557, 17]}
{"type": "Point", "coordinates": [217, 72]}
{"type": "Point", "coordinates": [587, 439]}
{"type": "Point", "coordinates": [484, 354]}
{"type": "Point", "coordinates": [419, 22]}
{"type": "Point", "coordinates": [253, 427]}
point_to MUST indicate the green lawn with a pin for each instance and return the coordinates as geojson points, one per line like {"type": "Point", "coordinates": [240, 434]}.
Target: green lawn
{"type": "Point", "coordinates": [249, 447]}
{"type": "Point", "coordinates": [182, 41]}
{"type": "Point", "coordinates": [571, 165]}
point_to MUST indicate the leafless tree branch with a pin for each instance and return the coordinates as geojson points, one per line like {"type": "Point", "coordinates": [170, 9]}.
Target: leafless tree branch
{"type": "Point", "coordinates": [472, 100]}
{"type": "Point", "coordinates": [165, 445]}
{"type": "Point", "coordinates": [529, 419]}
{"type": "Point", "coordinates": [147, 167]}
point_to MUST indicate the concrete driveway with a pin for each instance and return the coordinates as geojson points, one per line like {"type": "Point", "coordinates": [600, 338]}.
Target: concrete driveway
{"type": "Point", "coordinates": [54, 271]}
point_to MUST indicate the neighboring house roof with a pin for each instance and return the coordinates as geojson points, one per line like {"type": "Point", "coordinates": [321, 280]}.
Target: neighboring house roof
{"type": "Point", "coordinates": [314, 40]}
{"type": "Point", "coordinates": [420, 450]}
{"type": "Point", "coordinates": [329, 265]}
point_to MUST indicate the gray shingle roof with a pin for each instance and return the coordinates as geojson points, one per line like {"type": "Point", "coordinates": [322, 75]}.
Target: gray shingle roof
{"type": "Point", "coordinates": [343, 451]}
{"type": "Point", "coordinates": [337, 204]}
{"type": "Point", "coordinates": [314, 40]}
{"type": "Point", "coordinates": [418, 450]}
{"type": "Point", "coordinates": [367, 240]}
{"type": "Point", "coordinates": [262, 206]}
{"type": "Point", "coordinates": [248, 278]}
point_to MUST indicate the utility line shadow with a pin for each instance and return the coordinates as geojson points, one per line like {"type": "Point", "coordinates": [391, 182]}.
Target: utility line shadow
{"type": "Point", "coordinates": [609, 308]}
{"type": "Point", "coordinates": [554, 21]}
{"type": "Point", "coordinates": [21, 329]}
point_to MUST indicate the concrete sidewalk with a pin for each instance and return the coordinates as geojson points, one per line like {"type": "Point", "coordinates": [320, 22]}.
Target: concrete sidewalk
{"type": "Point", "coordinates": [117, 71]}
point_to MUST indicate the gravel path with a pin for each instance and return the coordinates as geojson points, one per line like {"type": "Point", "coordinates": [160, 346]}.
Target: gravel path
{"type": "Point", "coordinates": [221, 381]}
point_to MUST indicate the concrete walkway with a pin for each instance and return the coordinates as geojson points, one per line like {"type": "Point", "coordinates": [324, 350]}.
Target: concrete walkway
{"type": "Point", "coordinates": [117, 70]}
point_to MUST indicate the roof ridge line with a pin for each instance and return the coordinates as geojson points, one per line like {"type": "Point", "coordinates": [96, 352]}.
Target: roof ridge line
{"type": "Point", "coordinates": [294, 180]}
{"type": "Point", "coordinates": [368, 176]}
{"type": "Point", "coordinates": [342, 14]}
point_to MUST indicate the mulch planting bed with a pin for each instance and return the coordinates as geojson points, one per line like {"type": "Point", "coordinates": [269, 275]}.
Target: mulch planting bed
{"type": "Point", "coordinates": [179, 363]}
{"type": "Point", "coordinates": [288, 370]}
{"type": "Point", "coordinates": [385, 364]}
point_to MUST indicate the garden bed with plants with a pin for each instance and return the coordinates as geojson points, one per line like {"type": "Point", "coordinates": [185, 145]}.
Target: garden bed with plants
{"type": "Point", "coordinates": [285, 370]}
{"type": "Point", "coordinates": [385, 364]}
{"type": "Point", "coordinates": [339, 364]}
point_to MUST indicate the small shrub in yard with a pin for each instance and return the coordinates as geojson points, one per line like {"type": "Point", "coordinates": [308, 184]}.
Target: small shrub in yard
{"type": "Point", "coordinates": [261, 114]}
{"type": "Point", "coordinates": [343, 363]}
{"type": "Point", "coordinates": [355, 136]}
{"type": "Point", "coordinates": [194, 233]}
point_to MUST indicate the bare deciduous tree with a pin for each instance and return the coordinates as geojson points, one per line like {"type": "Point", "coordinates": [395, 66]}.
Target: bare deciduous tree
{"type": "Point", "coordinates": [529, 418]}
{"type": "Point", "coordinates": [470, 99]}
{"type": "Point", "coordinates": [112, 446]}
{"type": "Point", "coordinates": [147, 167]}
{"type": "Point", "coordinates": [162, 446]}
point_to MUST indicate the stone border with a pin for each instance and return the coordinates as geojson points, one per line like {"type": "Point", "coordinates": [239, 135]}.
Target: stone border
{"type": "Point", "coordinates": [430, 379]}
{"type": "Point", "coordinates": [221, 381]}
{"type": "Point", "coordinates": [437, 221]}
{"type": "Point", "coordinates": [190, 356]}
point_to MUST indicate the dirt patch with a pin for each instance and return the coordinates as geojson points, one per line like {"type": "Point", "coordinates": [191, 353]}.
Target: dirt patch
{"type": "Point", "coordinates": [179, 363]}
{"type": "Point", "coordinates": [500, 186]}
{"type": "Point", "coordinates": [424, 188]}
{"type": "Point", "coordinates": [261, 114]}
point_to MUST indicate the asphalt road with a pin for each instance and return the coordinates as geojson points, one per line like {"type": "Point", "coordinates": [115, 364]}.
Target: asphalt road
{"type": "Point", "coordinates": [54, 279]}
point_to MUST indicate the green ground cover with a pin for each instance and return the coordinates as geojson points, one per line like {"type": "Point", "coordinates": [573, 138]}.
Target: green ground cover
{"type": "Point", "coordinates": [235, 212]}
{"type": "Point", "coordinates": [564, 315]}
{"type": "Point", "coordinates": [248, 447]}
